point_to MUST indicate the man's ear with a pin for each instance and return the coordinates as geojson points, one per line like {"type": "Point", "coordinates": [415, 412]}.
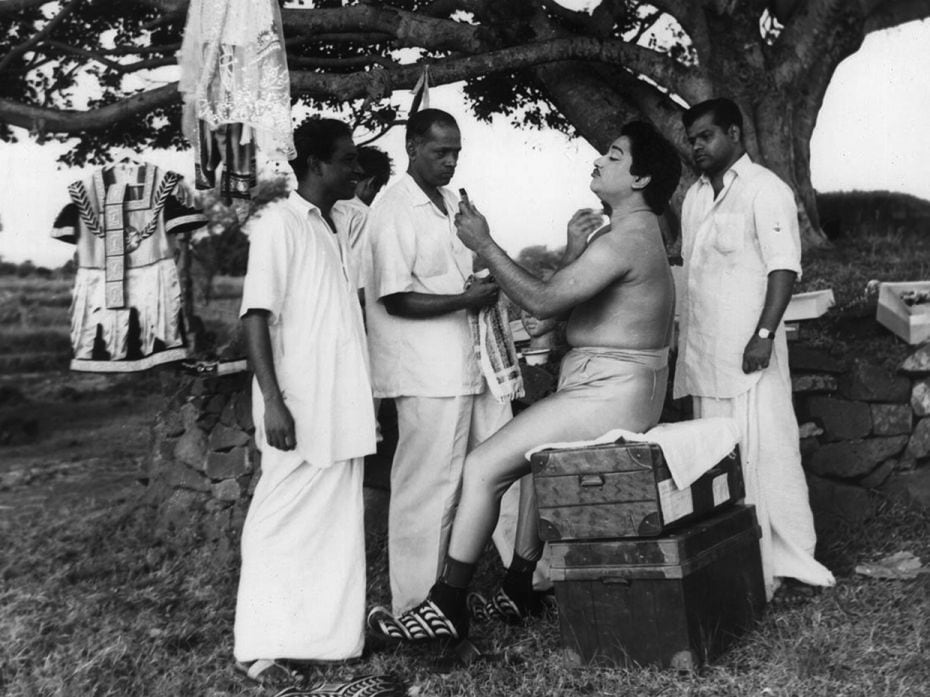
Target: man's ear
{"type": "Point", "coordinates": [641, 182]}
{"type": "Point", "coordinates": [411, 147]}
{"type": "Point", "coordinates": [314, 164]}
{"type": "Point", "coordinates": [735, 133]}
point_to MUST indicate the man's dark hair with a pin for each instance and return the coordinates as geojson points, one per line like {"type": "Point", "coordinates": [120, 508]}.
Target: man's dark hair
{"type": "Point", "coordinates": [375, 163]}
{"type": "Point", "coordinates": [653, 156]}
{"type": "Point", "coordinates": [419, 123]}
{"type": "Point", "coordinates": [317, 138]}
{"type": "Point", "coordinates": [723, 111]}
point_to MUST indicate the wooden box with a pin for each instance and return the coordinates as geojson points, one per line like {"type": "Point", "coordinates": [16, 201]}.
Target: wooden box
{"type": "Point", "coordinates": [623, 490]}
{"type": "Point", "coordinates": [808, 305]}
{"type": "Point", "coordinates": [676, 601]}
{"type": "Point", "coordinates": [910, 322]}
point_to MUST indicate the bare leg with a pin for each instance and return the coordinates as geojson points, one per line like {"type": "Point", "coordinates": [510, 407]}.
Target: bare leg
{"type": "Point", "coordinates": [495, 464]}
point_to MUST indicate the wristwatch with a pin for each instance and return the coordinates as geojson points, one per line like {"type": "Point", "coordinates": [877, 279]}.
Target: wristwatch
{"type": "Point", "coordinates": [764, 333]}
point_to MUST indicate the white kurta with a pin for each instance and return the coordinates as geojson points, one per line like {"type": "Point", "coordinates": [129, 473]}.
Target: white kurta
{"type": "Point", "coordinates": [302, 584]}
{"type": "Point", "coordinates": [730, 243]}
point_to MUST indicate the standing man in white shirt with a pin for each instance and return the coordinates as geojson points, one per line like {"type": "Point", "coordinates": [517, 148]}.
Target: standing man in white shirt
{"type": "Point", "coordinates": [302, 583]}
{"type": "Point", "coordinates": [422, 352]}
{"type": "Point", "coordinates": [351, 215]}
{"type": "Point", "coordinates": [742, 253]}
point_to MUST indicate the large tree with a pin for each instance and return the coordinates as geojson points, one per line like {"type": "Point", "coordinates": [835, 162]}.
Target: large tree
{"type": "Point", "coordinates": [535, 59]}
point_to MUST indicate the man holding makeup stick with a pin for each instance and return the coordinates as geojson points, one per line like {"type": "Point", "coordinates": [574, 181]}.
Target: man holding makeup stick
{"type": "Point", "coordinates": [422, 352]}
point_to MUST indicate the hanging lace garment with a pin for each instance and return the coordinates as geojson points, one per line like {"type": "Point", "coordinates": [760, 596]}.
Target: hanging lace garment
{"type": "Point", "coordinates": [236, 90]}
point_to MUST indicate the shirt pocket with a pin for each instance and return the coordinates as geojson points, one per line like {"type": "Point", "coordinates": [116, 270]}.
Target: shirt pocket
{"type": "Point", "coordinates": [431, 261]}
{"type": "Point", "coordinates": [729, 232]}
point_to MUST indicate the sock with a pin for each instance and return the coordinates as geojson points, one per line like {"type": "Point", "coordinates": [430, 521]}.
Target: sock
{"type": "Point", "coordinates": [456, 573]}
{"type": "Point", "coordinates": [518, 582]}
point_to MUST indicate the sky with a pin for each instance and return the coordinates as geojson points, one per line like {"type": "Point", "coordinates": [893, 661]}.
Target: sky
{"type": "Point", "coordinates": [871, 134]}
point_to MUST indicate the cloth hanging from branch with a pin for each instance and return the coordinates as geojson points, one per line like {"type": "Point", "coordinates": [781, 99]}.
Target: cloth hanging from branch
{"type": "Point", "coordinates": [236, 90]}
{"type": "Point", "coordinates": [420, 92]}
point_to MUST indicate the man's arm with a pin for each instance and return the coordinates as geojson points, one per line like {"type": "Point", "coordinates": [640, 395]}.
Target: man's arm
{"type": "Point", "coordinates": [580, 280]}
{"type": "Point", "coordinates": [778, 289]}
{"type": "Point", "coordinates": [279, 424]}
{"type": "Point", "coordinates": [415, 305]}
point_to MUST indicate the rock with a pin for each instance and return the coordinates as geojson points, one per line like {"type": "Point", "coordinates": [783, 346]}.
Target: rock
{"type": "Point", "coordinates": [918, 363]}
{"type": "Point", "coordinates": [809, 430]}
{"type": "Point", "coordinates": [841, 419]}
{"type": "Point", "coordinates": [223, 437]}
{"type": "Point", "coordinates": [215, 404]}
{"type": "Point", "coordinates": [891, 419]}
{"type": "Point", "coordinates": [180, 476]}
{"type": "Point", "coordinates": [18, 430]}
{"type": "Point", "coordinates": [879, 475]}
{"type": "Point", "coordinates": [912, 487]}
{"type": "Point", "coordinates": [228, 415]}
{"type": "Point", "coordinates": [191, 448]}
{"type": "Point", "coordinates": [813, 383]}
{"type": "Point", "coordinates": [228, 465]}
{"type": "Point", "coordinates": [837, 505]}
{"type": "Point", "coordinates": [216, 525]}
{"type": "Point", "coordinates": [227, 490]}
{"type": "Point", "coordinates": [871, 383]}
{"type": "Point", "coordinates": [855, 458]}
{"type": "Point", "coordinates": [920, 397]}
{"type": "Point", "coordinates": [171, 423]}
{"type": "Point", "coordinates": [919, 444]}
{"type": "Point", "coordinates": [207, 421]}
{"type": "Point", "coordinates": [803, 358]}
{"type": "Point", "coordinates": [189, 415]}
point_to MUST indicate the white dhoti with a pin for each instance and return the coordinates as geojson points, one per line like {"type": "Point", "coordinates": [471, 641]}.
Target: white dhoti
{"type": "Point", "coordinates": [775, 484]}
{"type": "Point", "coordinates": [434, 435]}
{"type": "Point", "coordinates": [302, 584]}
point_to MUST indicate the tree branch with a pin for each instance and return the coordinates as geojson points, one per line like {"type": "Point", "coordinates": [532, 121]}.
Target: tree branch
{"type": "Point", "coordinates": [40, 35]}
{"type": "Point", "coordinates": [47, 120]}
{"type": "Point", "coordinates": [882, 14]}
{"type": "Point", "coordinates": [380, 82]}
{"type": "Point", "coordinates": [12, 7]}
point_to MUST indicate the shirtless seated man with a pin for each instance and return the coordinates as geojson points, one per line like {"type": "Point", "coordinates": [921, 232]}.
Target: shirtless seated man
{"type": "Point", "coordinates": [617, 289]}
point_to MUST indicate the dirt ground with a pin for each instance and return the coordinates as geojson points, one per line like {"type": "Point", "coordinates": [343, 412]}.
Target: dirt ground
{"type": "Point", "coordinates": [67, 435]}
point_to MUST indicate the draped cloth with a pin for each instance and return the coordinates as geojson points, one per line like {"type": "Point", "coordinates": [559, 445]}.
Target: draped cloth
{"type": "Point", "coordinates": [234, 72]}
{"type": "Point", "coordinates": [774, 478]}
{"type": "Point", "coordinates": [494, 349]}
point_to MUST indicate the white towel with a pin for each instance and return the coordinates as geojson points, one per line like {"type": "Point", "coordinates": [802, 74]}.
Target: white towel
{"type": "Point", "coordinates": [690, 447]}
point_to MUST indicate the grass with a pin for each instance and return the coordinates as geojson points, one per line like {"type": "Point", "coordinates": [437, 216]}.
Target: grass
{"type": "Point", "coordinates": [91, 603]}
{"type": "Point", "coordinates": [878, 253]}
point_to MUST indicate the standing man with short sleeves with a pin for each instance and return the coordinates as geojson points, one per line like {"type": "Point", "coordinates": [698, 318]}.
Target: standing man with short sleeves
{"type": "Point", "coordinates": [742, 254]}
{"type": "Point", "coordinates": [422, 352]}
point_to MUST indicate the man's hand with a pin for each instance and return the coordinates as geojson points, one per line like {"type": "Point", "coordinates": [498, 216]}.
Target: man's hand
{"type": "Point", "coordinates": [581, 225]}
{"type": "Point", "coordinates": [279, 425]}
{"type": "Point", "coordinates": [757, 354]}
{"type": "Point", "coordinates": [481, 293]}
{"type": "Point", "coordinates": [471, 226]}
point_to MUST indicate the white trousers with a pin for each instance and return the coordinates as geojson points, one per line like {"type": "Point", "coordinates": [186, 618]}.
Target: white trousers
{"type": "Point", "coordinates": [775, 483]}
{"type": "Point", "coordinates": [434, 435]}
{"type": "Point", "coordinates": [302, 584]}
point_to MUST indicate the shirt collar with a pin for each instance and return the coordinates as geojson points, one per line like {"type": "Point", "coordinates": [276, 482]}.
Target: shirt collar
{"type": "Point", "coordinates": [738, 168]}
{"type": "Point", "coordinates": [302, 204]}
{"type": "Point", "coordinates": [417, 195]}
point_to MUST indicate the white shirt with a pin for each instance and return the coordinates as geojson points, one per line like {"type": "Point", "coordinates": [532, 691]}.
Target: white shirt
{"type": "Point", "coordinates": [351, 219]}
{"type": "Point", "coordinates": [296, 273]}
{"type": "Point", "coordinates": [729, 245]}
{"type": "Point", "coordinates": [414, 248]}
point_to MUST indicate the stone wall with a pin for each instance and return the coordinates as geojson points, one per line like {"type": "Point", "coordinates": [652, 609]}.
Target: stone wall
{"type": "Point", "coordinates": [864, 429]}
{"type": "Point", "coordinates": [203, 461]}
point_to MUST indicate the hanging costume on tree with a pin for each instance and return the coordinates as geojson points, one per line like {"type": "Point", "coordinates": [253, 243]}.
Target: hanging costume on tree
{"type": "Point", "coordinates": [236, 91]}
{"type": "Point", "coordinates": [126, 312]}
